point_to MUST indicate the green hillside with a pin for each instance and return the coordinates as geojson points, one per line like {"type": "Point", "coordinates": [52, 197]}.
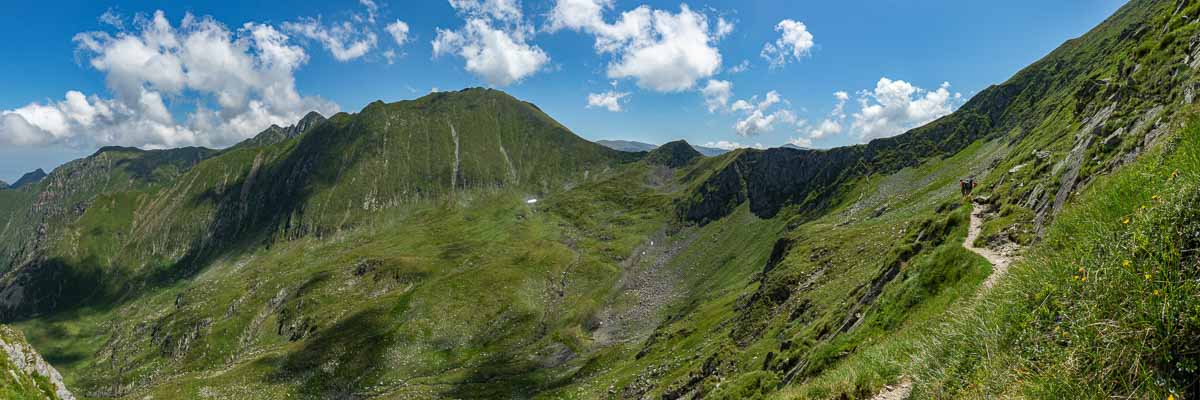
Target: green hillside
{"type": "Point", "coordinates": [466, 245]}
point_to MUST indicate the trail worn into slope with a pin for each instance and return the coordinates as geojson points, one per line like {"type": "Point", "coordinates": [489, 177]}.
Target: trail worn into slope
{"type": "Point", "coordinates": [1000, 261]}
{"type": "Point", "coordinates": [900, 391]}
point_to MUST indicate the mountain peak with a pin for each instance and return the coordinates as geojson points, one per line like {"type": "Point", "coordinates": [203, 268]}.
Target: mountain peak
{"type": "Point", "coordinates": [275, 133]}
{"type": "Point", "coordinates": [674, 154]}
{"type": "Point", "coordinates": [29, 178]}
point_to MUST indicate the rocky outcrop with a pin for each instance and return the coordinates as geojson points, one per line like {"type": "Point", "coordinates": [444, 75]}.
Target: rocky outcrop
{"type": "Point", "coordinates": [31, 377]}
{"type": "Point", "coordinates": [275, 134]}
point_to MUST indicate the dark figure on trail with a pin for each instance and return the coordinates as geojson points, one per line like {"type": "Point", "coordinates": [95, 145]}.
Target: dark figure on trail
{"type": "Point", "coordinates": [966, 186]}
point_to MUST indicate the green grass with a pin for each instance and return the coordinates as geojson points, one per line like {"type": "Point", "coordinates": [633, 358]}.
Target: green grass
{"type": "Point", "coordinates": [1105, 306]}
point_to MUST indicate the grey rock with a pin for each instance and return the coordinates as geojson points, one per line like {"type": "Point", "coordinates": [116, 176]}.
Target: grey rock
{"type": "Point", "coordinates": [27, 360]}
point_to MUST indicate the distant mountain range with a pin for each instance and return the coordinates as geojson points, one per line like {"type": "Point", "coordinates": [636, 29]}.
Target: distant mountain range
{"type": "Point", "coordinates": [29, 178]}
{"type": "Point", "coordinates": [636, 147]}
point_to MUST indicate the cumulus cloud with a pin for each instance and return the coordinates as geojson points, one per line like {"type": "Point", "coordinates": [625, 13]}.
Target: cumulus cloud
{"type": "Point", "coordinates": [499, 10]}
{"type": "Point", "coordinates": [717, 94]}
{"type": "Point", "coordinates": [801, 142]}
{"type": "Point", "coordinates": [246, 73]}
{"type": "Point", "coordinates": [399, 32]}
{"type": "Point", "coordinates": [345, 41]}
{"type": "Point", "coordinates": [834, 123]}
{"type": "Point", "coordinates": [352, 38]}
{"type": "Point", "coordinates": [758, 117]}
{"type": "Point", "coordinates": [372, 9]}
{"type": "Point", "coordinates": [112, 18]}
{"type": "Point", "coordinates": [724, 28]}
{"type": "Point", "coordinates": [895, 106]}
{"type": "Point", "coordinates": [610, 100]}
{"type": "Point", "coordinates": [661, 50]}
{"type": "Point", "coordinates": [891, 108]}
{"type": "Point", "coordinates": [795, 42]}
{"type": "Point", "coordinates": [740, 68]}
{"type": "Point", "coordinates": [727, 145]}
{"type": "Point", "coordinates": [493, 42]}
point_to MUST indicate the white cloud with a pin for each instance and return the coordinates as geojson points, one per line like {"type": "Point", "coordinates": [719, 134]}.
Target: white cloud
{"type": "Point", "coordinates": [758, 122]}
{"type": "Point", "coordinates": [826, 128]}
{"type": "Point", "coordinates": [372, 9]}
{"type": "Point", "coordinates": [757, 115]}
{"type": "Point", "coordinates": [494, 42]}
{"type": "Point", "coordinates": [835, 122]}
{"type": "Point", "coordinates": [717, 94]}
{"type": "Point", "coordinates": [112, 18]}
{"type": "Point", "coordinates": [345, 41]}
{"type": "Point", "coordinates": [724, 28]}
{"type": "Point", "coordinates": [399, 32]}
{"type": "Point", "coordinates": [795, 41]}
{"type": "Point", "coordinates": [801, 141]}
{"type": "Point", "coordinates": [247, 74]}
{"type": "Point", "coordinates": [740, 68]}
{"type": "Point", "coordinates": [662, 51]}
{"type": "Point", "coordinates": [497, 56]}
{"type": "Point", "coordinates": [895, 106]}
{"type": "Point", "coordinates": [727, 145]}
{"type": "Point", "coordinates": [499, 10]}
{"type": "Point", "coordinates": [610, 100]}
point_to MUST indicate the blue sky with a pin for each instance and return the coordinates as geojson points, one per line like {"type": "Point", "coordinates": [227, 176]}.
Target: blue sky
{"type": "Point", "coordinates": [888, 59]}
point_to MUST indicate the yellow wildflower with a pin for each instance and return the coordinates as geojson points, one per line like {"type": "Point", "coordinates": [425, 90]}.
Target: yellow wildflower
{"type": "Point", "coordinates": [1170, 397]}
{"type": "Point", "coordinates": [1127, 263]}
{"type": "Point", "coordinates": [1175, 174]}
{"type": "Point", "coordinates": [1156, 292]}
{"type": "Point", "coordinates": [1147, 276]}
{"type": "Point", "coordinates": [1125, 221]}
{"type": "Point", "coordinates": [1154, 197]}
{"type": "Point", "coordinates": [1083, 279]}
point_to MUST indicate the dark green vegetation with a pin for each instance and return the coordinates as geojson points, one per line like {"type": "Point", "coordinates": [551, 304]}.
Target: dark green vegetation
{"type": "Point", "coordinates": [466, 245]}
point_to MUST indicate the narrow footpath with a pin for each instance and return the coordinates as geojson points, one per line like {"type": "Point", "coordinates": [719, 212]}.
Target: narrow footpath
{"type": "Point", "coordinates": [1000, 263]}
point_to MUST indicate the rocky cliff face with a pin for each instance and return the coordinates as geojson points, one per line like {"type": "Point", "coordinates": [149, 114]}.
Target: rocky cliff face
{"type": "Point", "coordinates": [276, 134]}
{"type": "Point", "coordinates": [29, 376]}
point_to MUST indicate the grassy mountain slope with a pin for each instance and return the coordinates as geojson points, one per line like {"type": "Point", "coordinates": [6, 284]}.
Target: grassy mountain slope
{"type": "Point", "coordinates": [1105, 306]}
{"type": "Point", "coordinates": [398, 253]}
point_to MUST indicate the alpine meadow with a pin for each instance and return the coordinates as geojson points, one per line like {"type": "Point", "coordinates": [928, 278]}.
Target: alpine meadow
{"type": "Point", "coordinates": [224, 236]}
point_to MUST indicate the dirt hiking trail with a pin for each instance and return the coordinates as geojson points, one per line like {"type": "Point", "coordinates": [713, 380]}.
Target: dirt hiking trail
{"type": "Point", "coordinates": [1000, 262]}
